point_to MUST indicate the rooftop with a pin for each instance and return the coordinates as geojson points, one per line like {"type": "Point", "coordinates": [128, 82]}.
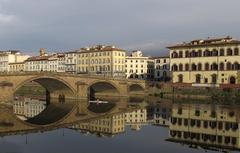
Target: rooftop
{"type": "Point", "coordinates": [204, 42]}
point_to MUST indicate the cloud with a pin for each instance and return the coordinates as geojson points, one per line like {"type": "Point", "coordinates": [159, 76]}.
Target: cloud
{"type": "Point", "coordinates": [6, 18]}
{"type": "Point", "coordinates": [148, 25]}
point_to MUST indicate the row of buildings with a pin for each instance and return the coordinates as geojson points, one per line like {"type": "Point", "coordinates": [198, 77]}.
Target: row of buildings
{"type": "Point", "coordinates": [200, 62]}
{"type": "Point", "coordinates": [97, 60]}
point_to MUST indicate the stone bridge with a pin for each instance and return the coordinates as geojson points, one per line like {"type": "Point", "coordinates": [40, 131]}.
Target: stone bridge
{"type": "Point", "coordinates": [73, 86]}
{"type": "Point", "coordinates": [76, 88]}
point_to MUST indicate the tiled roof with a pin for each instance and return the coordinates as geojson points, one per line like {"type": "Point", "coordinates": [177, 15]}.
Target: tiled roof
{"type": "Point", "coordinates": [207, 42]}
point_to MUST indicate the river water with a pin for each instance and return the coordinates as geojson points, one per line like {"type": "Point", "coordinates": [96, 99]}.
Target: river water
{"type": "Point", "coordinates": [165, 126]}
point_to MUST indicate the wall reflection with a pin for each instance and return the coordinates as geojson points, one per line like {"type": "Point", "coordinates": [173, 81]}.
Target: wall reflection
{"type": "Point", "coordinates": [25, 107]}
{"type": "Point", "coordinates": [205, 125]}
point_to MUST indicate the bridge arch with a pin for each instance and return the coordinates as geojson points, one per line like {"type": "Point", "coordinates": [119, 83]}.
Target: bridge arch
{"type": "Point", "coordinates": [59, 103]}
{"type": "Point", "coordinates": [100, 90]}
{"type": "Point", "coordinates": [136, 88]}
{"type": "Point", "coordinates": [103, 88]}
{"type": "Point", "coordinates": [48, 82]}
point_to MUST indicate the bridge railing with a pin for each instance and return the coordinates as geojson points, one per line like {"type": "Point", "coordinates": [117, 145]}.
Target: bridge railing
{"type": "Point", "coordinates": [50, 73]}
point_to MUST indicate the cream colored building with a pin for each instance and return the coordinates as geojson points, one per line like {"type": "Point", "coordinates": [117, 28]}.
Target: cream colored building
{"type": "Point", "coordinates": [162, 68]}
{"type": "Point", "coordinates": [136, 116]}
{"type": "Point", "coordinates": [109, 125]}
{"type": "Point", "coordinates": [210, 61]}
{"type": "Point", "coordinates": [205, 125]}
{"type": "Point", "coordinates": [138, 66]}
{"type": "Point", "coordinates": [10, 57]}
{"type": "Point", "coordinates": [16, 67]}
{"type": "Point", "coordinates": [101, 60]}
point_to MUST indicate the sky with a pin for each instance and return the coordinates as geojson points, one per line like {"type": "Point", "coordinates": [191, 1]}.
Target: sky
{"type": "Point", "coordinates": [147, 25]}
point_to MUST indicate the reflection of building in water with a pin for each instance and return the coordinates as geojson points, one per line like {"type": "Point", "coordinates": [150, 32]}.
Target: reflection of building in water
{"type": "Point", "coordinates": [106, 125]}
{"type": "Point", "coordinates": [159, 114]}
{"type": "Point", "coordinates": [136, 118]}
{"type": "Point", "coordinates": [28, 107]}
{"type": "Point", "coordinates": [205, 125]}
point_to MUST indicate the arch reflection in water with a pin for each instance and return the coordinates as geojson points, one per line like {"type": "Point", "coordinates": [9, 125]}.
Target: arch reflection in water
{"type": "Point", "coordinates": [43, 101]}
{"type": "Point", "coordinates": [102, 97]}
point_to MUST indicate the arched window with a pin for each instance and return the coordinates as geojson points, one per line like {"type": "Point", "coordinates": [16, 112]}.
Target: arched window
{"type": "Point", "coordinates": [214, 78]}
{"type": "Point", "coordinates": [180, 67]}
{"type": "Point", "coordinates": [207, 53]}
{"type": "Point", "coordinates": [180, 78]}
{"type": "Point", "coordinates": [174, 67]}
{"type": "Point", "coordinates": [174, 55]}
{"type": "Point", "coordinates": [180, 54]}
{"type": "Point", "coordinates": [187, 53]}
{"type": "Point", "coordinates": [235, 66]}
{"type": "Point", "coordinates": [236, 51]}
{"type": "Point", "coordinates": [198, 78]}
{"type": "Point", "coordinates": [193, 53]}
{"type": "Point", "coordinates": [221, 66]}
{"type": "Point", "coordinates": [199, 66]}
{"type": "Point", "coordinates": [158, 67]}
{"type": "Point", "coordinates": [199, 53]}
{"type": "Point", "coordinates": [215, 52]}
{"type": "Point", "coordinates": [232, 80]}
{"type": "Point", "coordinates": [194, 67]}
{"type": "Point", "coordinates": [229, 52]}
{"type": "Point", "coordinates": [214, 67]}
{"type": "Point", "coordinates": [206, 66]}
{"type": "Point", "coordinates": [229, 66]}
{"type": "Point", "coordinates": [186, 67]}
{"type": "Point", "coordinates": [222, 52]}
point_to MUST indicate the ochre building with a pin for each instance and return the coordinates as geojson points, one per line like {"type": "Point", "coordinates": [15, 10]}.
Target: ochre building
{"type": "Point", "coordinates": [210, 61]}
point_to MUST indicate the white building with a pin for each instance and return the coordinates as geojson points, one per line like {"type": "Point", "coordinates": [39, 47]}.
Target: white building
{"type": "Point", "coordinates": [8, 57]}
{"type": "Point", "coordinates": [71, 62]}
{"type": "Point", "coordinates": [162, 68]}
{"type": "Point", "coordinates": [45, 62]}
{"type": "Point", "coordinates": [138, 66]}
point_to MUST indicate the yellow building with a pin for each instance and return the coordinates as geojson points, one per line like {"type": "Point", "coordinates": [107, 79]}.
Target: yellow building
{"type": "Point", "coordinates": [101, 60]}
{"type": "Point", "coordinates": [210, 61]}
{"type": "Point", "coordinates": [136, 119]}
{"type": "Point", "coordinates": [109, 125]}
{"type": "Point", "coordinates": [205, 125]}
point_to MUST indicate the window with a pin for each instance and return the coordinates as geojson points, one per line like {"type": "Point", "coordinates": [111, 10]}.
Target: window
{"type": "Point", "coordinates": [180, 67]}
{"type": "Point", "coordinates": [187, 67]}
{"type": "Point", "coordinates": [221, 66]}
{"type": "Point", "coordinates": [206, 66]}
{"type": "Point", "coordinates": [236, 51]}
{"type": "Point", "coordinates": [229, 52]}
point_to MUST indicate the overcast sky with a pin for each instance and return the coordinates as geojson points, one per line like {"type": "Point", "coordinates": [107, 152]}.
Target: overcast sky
{"type": "Point", "coordinates": [148, 25]}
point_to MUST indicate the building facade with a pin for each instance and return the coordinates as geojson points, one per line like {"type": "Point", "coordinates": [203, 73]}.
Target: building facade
{"type": "Point", "coordinates": [16, 67]}
{"type": "Point", "coordinates": [162, 68]}
{"type": "Point", "coordinates": [102, 60]}
{"type": "Point", "coordinates": [9, 57]}
{"type": "Point", "coordinates": [45, 62]}
{"type": "Point", "coordinates": [71, 62]}
{"type": "Point", "coordinates": [138, 66]}
{"type": "Point", "coordinates": [210, 61]}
